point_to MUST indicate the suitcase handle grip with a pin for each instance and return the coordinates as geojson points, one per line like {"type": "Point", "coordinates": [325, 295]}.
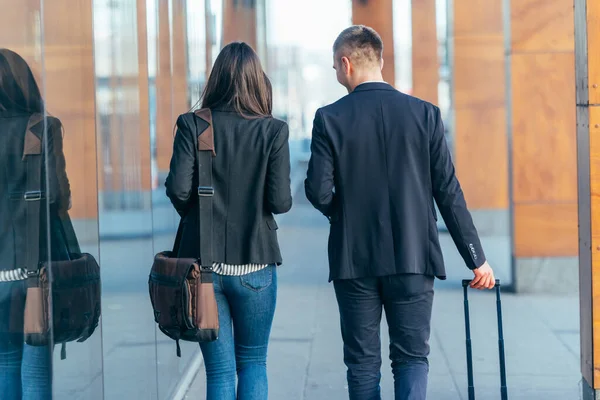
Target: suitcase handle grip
{"type": "Point", "coordinates": [467, 282]}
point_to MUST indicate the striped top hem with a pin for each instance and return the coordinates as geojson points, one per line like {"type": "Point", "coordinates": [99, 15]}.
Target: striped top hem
{"type": "Point", "coordinates": [13, 275]}
{"type": "Point", "coordinates": [237, 270]}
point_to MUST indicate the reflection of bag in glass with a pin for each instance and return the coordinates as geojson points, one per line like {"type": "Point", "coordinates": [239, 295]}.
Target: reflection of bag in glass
{"type": "Point", "coordinates": [181, 289]}
{"type": "Point", "coordinates": [63, 297]}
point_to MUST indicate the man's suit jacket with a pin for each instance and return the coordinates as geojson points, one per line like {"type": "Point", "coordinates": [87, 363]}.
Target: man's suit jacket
{"type": "Point", "coordinates": [379, 159]}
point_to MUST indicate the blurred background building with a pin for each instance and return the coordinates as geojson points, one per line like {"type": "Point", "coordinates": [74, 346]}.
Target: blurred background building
{"type": "Point", "coordinates": [119, 72]}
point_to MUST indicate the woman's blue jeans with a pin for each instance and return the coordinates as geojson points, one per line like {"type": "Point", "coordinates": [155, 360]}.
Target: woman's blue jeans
{"type": "Point", "coordinates": [246, 309]}
{"type": "Point", "coordinates": [24, 370]}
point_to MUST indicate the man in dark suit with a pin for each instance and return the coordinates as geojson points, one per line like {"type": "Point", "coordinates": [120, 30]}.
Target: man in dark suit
{"type": "Point", "coordinates": [379, 159]}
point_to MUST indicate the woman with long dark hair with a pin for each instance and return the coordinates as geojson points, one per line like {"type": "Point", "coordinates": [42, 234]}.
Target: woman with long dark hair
{"type": "Point", "coordinates": [251, 179]}
{"type": "Point", "coordinates": [25, 371]}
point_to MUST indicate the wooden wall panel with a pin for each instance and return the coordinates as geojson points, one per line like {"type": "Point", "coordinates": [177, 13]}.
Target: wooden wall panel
{"type": "Point", "coordinates": [20, 31]}
{"type": "Point", "coordinates": [239, 22]}
{"type": "Point", "coordinates": [479, 71]}
{"type": "Point", "coordinates": [544, 147]}
{"type": "Point", "coordinates": [70, 95]}
{"type": "Point", "coordinates": [544, 152]}
{"type": "Point", "coordinates": [179, 42]}
{"type": "Point", "coordinates": [545, 230]}
{"type": "Point", "coordinates": [486, 169]}
{"type": "Point", "coordinates": [587, 61]}
{"type": "Point", "coordinates": [425, 64]}
{"type": "Point", "coordinates": [69, 85]}
{"type": "Point", "coordinates": [379, 16]}
{"type": "Point", "coordinates": [477, 17]}
{"type": "Point", "coordinates": [593, 68]}
{"type": "Point", "coordinates": [593, 57]}
{"type": "Point", "coordinates": [594, 140]}
{"type": "Point", "coordinates": [480, 141]}
{"type": "Point", "coordinates": [541, 25]}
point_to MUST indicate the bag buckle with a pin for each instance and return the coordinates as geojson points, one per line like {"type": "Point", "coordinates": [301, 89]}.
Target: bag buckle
{"type": "Point", "coordinates": [206, 191]}
{"type": "Point", "coordinates": [33, 274]}
{"type": "Point", "coordinates": [34, 195]}
{"type": "Point", "coordinates": [206, 268]}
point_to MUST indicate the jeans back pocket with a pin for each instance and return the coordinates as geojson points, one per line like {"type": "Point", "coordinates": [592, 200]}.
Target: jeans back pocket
{"type": "Point", "coordinates": [259, 280]}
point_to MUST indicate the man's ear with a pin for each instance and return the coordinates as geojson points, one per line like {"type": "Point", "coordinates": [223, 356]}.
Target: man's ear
{"type": "Point", "coordinates": [346, 64]}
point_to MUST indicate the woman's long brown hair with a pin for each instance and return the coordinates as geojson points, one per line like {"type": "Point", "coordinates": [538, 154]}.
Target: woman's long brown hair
{"type": "Point", "coordinates": [18, 89]}
{"type": "Point", "coordinates": [238, 81]}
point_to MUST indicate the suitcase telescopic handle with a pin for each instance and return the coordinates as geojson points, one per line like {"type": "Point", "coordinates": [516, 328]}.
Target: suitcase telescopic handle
{"type": "Point", "coordinates": [471, 388]}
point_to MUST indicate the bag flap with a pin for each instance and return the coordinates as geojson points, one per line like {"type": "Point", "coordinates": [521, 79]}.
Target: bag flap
{"type": "Point", "coordinates": [171, 270]}
{"type": "Point", "coordinates": [80, 266]}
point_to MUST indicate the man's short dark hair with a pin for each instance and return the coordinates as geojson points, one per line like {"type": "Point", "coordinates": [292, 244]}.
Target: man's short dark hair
{"type": "Point", "coordinates": [361, 44]}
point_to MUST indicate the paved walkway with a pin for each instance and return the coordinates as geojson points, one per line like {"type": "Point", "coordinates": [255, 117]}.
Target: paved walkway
{"type": "Point", "coordinates": [305, 356]}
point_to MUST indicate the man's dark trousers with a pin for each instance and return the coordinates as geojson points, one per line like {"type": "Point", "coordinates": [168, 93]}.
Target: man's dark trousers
{"type": "Point", "coordinates": [407, 300]}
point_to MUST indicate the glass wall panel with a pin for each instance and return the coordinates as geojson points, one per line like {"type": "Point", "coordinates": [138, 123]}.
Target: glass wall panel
{"type": "Point", "coordinates": [124, 177]}
{"type": "Point", "coordinates": [69, 86]}
{"type": "Point", "coordinates": [63, 207]}
{"type": "Point", "coordinates": [177, 47]}
{"type": "Point", "coordinates": [23, 234]}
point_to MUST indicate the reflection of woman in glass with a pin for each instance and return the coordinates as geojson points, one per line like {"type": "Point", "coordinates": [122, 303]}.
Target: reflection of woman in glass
{"type": "Point", "coordinates": [251, 173]}
{"type": "Point", "coordinates": [25, 371]}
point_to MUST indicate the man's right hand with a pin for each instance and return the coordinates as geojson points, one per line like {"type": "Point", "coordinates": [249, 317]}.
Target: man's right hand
{"type": "Point", "coordinates": [484, 277]}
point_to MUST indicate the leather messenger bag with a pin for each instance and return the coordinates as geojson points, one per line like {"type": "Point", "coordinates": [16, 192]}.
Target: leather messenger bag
{"type": "Point", "coordinates": [181, 289]}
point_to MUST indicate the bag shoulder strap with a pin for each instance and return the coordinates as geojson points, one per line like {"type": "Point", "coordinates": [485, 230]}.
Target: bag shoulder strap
{"type": "Point", "coordinates": [33, 195]}
{"type": "Point", "coordinates": [205, 151]}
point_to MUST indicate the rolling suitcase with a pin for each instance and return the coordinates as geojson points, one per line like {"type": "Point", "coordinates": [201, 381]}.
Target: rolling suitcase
{"type": "Point", "coordinates": [503, 388]}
